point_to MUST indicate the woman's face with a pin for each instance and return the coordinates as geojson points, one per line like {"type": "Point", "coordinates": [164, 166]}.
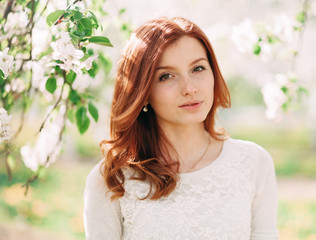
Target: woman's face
{"type": "Point", "coordinates": [182, 91]}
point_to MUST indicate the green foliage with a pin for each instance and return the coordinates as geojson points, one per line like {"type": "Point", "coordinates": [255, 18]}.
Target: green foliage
{"type": "Point", "coordinates": [2, 79]}
{"type": "Point", "coordinates": [51, 84]}
{"type": "Point", "coordinates": [93, 111]}
{"type": "Point", "coordinates": [121, 11]}
{"type": "Point", "coordinates": [257, 49]}
{"type": "Point", "coordinates": [74, 97]}
{"type": "Point", "coordinates": [70, 77]}
{"type": "Point", "coordinates": [71, 115]}
{"type": "Point", "coordinates": [82, 119]}
{"type": "Point", "coordinates": [54, 16]}
{"type": "Point", "coordinates": [94, 70]}
{"type": "Point", "coordinates": [104, 41]}
{"type": "Point", "coordinates": [301, 17]}
{"type": "Point", "coordinates": [81, 25]}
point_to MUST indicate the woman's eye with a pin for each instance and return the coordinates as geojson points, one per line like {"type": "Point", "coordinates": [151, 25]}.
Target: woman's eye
{"type": "Point", "coordinates": [198, 69]}
{"type": "Point", "coordinates": [165, 76]}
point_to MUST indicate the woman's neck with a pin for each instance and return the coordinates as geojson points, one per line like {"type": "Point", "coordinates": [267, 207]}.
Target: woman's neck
{"type": "Point", "coordinates": [190, 143]}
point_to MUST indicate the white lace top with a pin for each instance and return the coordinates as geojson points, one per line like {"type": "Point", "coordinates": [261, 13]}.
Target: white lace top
{"type": "Point", "coordinates": [233, 198]}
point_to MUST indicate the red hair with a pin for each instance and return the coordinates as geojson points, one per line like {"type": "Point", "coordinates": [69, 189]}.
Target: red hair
{"type": "Point", "coordinates": [136, 140]}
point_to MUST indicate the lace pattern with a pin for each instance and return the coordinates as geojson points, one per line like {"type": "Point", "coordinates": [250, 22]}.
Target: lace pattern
{"type": "Point", "coordinates": [211, 203]}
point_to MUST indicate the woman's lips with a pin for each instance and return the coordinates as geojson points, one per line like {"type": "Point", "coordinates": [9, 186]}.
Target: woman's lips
{"type": "Point", "coordinates": [191, 104]}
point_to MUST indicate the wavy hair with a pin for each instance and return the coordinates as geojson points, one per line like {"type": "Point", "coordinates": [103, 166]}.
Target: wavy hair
{"type": "Point", "coordinates": [136, 140]}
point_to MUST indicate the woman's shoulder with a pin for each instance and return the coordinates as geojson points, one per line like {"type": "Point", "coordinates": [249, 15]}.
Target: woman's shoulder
{"type": "Point", "coordinates": [249, 150]}
{"type": "Point", "coordinates": [95, 178]}
{"type": "Point", "coordinates": [245, 146]}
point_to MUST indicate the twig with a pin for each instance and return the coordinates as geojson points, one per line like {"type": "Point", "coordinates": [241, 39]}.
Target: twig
{"type": "Point", "coordinates": [73, 4]}
{"type": "Point", "coordinates": [8, 9]}
{"type": "Point", "coordinates": [7, 153]}
{"type": "Point", "coordinates": [300, 38]}
{"type": "Point", "coordinates": [62, 16]}
{"type": "Point", "coordinates": [43, 10]}
{"type": "Point", "coordinates": [28, 183]}
{"type": "Point", "coordinates": [57, 102]}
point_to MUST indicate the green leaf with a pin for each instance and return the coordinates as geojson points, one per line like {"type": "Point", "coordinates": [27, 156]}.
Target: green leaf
{"type": "Point", "coordinates": [301, 17]}
{"type": "Point", "coordinates": [73, 96]}
{"type": "Point", "coordinates": [93, 111]}
{"type": "Point", "coordinates": [301, 91]}
{"type": "Point", "coordinates": [95, 21]}
{"type": "Point", "coordinates": [85, 26]}
{"type": "Point", "coordinates": [71, 115]}
{"type": "Point", "coordinates": [285, 107]}
{"type": "Point", "coordinates": [54, 16]}
{"type": "Point", "coordinates": [71, 76]}
{"type": "Point", "coordinates": [122, 10]}
{"type": "Point", "coordinates": [77, 15]}
{"type": "Point", "coordinates": [284, 89]}
{"type": "Point", "coordinates": [80, 30]}
{"type": "Point", "coordinates": [68, 14]}
{"type": "Point", "coordinates": [86, 23]}
{"type": "Point", "coordinates": [51, 84]}
{"type": "Point", "coordinates": [104, 41]}
{"type": "Point", "coordinates": [257, 49]}
{"type": "Point", "coordinates": [273, 39]}
{"type": "Point", "coordinates": [82, 120]}
{"type": "Point", "coordinates": [74, 38]}
{"type": "Point", "coordinates": [2, 79]}
{"type": "Point", "coordinates": [90, 52]}
{"type": "Point", "coordinates": [94, 69]}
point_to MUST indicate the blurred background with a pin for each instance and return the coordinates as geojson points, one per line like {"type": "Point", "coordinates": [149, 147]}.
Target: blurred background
{"type": "Point", "coordinates": [53, 206]}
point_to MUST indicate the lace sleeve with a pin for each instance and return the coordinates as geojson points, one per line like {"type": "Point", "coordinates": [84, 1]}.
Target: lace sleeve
{"type": "Point", "coordinates": [102, 217]}
{"type": "Point", "coordinates": [264, 207]}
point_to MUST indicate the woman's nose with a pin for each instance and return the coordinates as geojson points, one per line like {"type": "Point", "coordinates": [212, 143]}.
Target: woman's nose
{"type": "Point", "coordinates": [188, 86]}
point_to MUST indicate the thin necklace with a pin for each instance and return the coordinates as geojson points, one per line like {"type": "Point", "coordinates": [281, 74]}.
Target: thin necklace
{"type": "Point", "coordinates": [208, 145]}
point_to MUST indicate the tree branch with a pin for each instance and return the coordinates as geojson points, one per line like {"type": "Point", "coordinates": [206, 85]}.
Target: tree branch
{"type": "Point", "coordinates": [57, 102]}
{"type": "Point", "coordinates": [301, 35]}
{"type": "Point", "coordinates": [7, 9]}
{"type": "Point", "coordinates": [61, 17]}
{"type": "Point", "coordinates": [7, 153]}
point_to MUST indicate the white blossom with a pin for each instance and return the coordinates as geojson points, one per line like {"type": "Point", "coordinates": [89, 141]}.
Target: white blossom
{"type": "Point", "coordinates": [244, 36]}
{"type": "Point", "coordinates": [274, 98]}
{"type": "Point", "coordinates": [5, 132]}
{"type": "Point", "coordinates": [15, 25]}
{"type": "Point", "coordinates": [82, 81]}
{"type": "Point", "coordinates": [16, 85]}
{"type": "Point", "coordinates": [47, 146]}
{"type": "Point", "coordinates": [283, 28]}
{"type": "Point", "coordinates": [87, 64]}
{"type": "Point", "coordinates": [6, 62]}
{"type": "Point", "coordinates": [65, 51]}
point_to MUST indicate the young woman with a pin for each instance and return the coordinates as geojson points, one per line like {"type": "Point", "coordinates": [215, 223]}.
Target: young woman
{"type": "Point", "coordinates": [167, 172]}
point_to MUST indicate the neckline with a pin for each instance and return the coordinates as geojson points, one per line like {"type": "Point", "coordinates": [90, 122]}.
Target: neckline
{"type": "Point", "coordinates": [210, 165]}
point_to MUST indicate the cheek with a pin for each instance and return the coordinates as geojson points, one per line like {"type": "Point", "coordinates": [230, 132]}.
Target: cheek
{"type": "Point", "coordinates": [156, 98]}
{"type": "Point", "coordinates": [208, 86]}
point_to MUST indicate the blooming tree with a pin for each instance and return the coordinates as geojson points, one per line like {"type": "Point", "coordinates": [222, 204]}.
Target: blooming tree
{"type": "Point", "coordinates": [60, 72]}
{"type": "Point", "coordinates": [279, 39]}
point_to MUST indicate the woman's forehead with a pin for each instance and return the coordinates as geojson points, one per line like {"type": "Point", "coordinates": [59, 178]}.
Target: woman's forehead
{"type": "Point", "coordinates": [185, 49]}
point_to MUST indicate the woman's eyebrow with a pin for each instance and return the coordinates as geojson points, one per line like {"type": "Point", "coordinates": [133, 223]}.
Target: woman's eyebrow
{"type": "Point", "coordinates": [198, 60]}
{"type": "Point", "coordinates": [192, 63]}
{"type": "Point", "coordinates": [164, 67]}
